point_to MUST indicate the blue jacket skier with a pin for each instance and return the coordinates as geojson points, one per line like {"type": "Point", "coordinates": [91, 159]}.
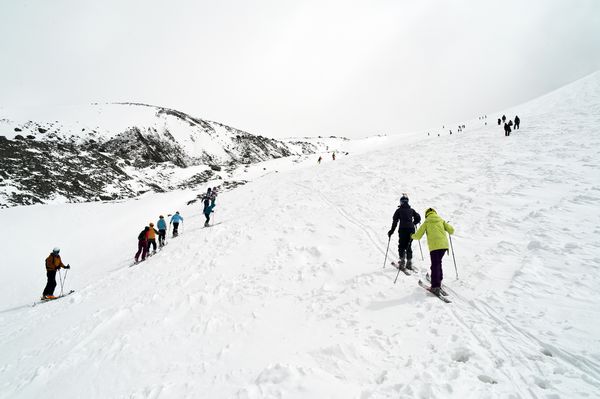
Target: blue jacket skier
{"type": "Point", "coordinates": [162, 230]}
{"type": "Point", "coordinates": [175, 220]}
{"type": "Point", "coordinates": [208, 209]}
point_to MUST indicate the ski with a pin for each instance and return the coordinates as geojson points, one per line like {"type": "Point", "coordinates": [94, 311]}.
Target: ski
{"type": "Point", "coordinates": [402, 269]}
{"type": "Point", "coordinates": [443, 298]}
{"type": "Point", "coordinates": [53, 299]}
{"type": "Point", "coordinates": [442, 290]}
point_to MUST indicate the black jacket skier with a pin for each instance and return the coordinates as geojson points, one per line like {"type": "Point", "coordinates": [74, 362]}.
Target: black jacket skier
{"type": "Point", "coordinates": [405, 218]}
{"type": "Point", "coordinates": [517, 122]}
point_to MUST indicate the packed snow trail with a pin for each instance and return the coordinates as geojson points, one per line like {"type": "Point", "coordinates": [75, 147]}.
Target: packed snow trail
{"type": "Point", "coordinates": [287, 296]}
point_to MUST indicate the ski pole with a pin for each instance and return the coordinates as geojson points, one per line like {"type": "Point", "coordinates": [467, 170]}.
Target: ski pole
{"type": "Point", "coordinates": [397, 274]}
{"type": "Point", "coordinates": [386, 251]}
{"type": "Point", "coordinates": [64, 279]}
{"type": "Point", "coordinates": [421, 249]}
{"type": "Point", "coordinates": [61, 281]}
{"type": "Point", "coordinates": [453, 258]}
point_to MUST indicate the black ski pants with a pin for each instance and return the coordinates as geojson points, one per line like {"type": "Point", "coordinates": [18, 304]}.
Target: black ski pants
{"type": "Point", "coordinates": [436, 267]}
{"type": "Point", "coordinates": [405, 243]}
{"type": "Point", "coordinates": [175, 228]}
{"type": "Point", "coordinates": [151, 243]}
{"type": "Point", "coordinates": [51, 284]}
{"type": "Point", "coordinates": [162, 234]}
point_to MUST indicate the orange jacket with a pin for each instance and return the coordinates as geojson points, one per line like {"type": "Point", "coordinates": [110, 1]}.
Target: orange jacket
{"type": "Point", "coordinates": [151, 233]}
{"type": "Point", "coordinates": [53, 263]}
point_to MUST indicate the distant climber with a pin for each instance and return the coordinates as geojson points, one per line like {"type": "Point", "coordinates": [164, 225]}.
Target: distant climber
{"type": "Point", "coordinates": [142, 244]}
{"type": "Point", "coordinates": [507, 129]}
{"type": "Point", "coordinates": [333, 156]}
{"type": "Point", "coordinates": [175, 220]}
{"type": "Point", "coordinates": [319, 160]}
{"type": "Point", "coordinates": [405, 218]}
{"type": "Point", "coordinates": [162, 230]}
{"type": "Point", "coordinates": [437, 240]}
{"type": "Point", "coordinates": [517, 122]}
{"type": "Point", "coordinates": [53, 263]}
{"type": "Point", "coordinates": [503, 118]}
{"type": "Point", "coordinates": [499, 121]}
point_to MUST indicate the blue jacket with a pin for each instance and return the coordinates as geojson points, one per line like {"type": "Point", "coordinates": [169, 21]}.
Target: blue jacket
{"type": "Point", "coordinates": [176, 218]}
{"type": "Point", "coordinates": [161, 224]}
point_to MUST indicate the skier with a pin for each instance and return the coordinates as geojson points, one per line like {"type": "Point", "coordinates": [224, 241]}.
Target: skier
{"type": "Point", "coordinates": [142, 244]}
{"type": "Point", "coordinates": [408, 218]}
{"type": "Point", "coordinates": [507, 129]}
{"type": "Point", "coordinates": [175, 220]}
{"type": "Point", "coordinates": [213, 196]}
{"type": "Point", "coordinates": [152, 232]}
{"type": "Point", "coordinates": [517, 122]}
{"type": "Point", "coordinates": [208, 209]}
{"type": "Point", "coordinates": [437, 241]}
{"type": "Point", "coordinates": [53, 263]}
{"type": "Point", "coordinates": [162, 230]}
{"type": "Point", "coordinates": [503, 118]}
{"type": "Point", "coordinates": [333, 156]}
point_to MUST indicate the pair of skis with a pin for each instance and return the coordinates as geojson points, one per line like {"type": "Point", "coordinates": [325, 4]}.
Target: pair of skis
{"type": "Point", "coordinates": [44, 300]}
{"type": "Point", "coordinates": [443, 293]}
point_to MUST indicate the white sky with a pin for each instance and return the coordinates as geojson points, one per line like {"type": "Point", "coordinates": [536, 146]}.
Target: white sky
{"type": "Point", "coordinates": [283, 68]}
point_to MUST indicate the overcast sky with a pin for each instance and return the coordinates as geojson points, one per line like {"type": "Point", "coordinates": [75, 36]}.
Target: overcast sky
{"type": "Point", "coordinates": [284, 68]}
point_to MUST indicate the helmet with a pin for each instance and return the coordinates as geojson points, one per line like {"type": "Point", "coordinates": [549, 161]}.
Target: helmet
{"type": "Point", "coordinates": [428, 211]}
{"type": "Point", "coordinates": [55, 250]}
{"type": "Point", "coordinates": [151, 224]}
{"type": "Point", "coordinates": [404, 199]}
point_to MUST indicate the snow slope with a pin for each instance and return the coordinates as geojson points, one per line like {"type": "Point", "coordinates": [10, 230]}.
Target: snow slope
{"type": "Point", "coordinates": [285, 296]}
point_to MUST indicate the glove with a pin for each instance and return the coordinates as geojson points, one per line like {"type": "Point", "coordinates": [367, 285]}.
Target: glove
{"type": "Point", "coordinates": [67, 267]}
{"type": "Point", "coordinates": [413, 237]}
{"type": "Point", "coordinates": [390, 233]}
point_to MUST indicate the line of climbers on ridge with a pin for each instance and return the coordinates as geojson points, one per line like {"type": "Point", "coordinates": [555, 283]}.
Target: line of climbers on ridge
{"type": "Point", "coordinates": [146, 240]}
{"type": "Point", "coordinates": [434, 226]}
{"type": "Point", "coordinates": [147, 237]}
{"type": "Point", "coordinates": [508, 125]}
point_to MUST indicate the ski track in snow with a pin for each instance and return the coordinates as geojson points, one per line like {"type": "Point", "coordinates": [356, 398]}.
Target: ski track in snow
{"type": "Point", "coordinates": [285, 296]}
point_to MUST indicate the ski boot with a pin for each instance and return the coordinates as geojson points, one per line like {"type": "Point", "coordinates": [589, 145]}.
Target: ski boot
{"type": "Point", "coordinates": [436, 291]}
{"type": "Point", "coordinates": [409, 264]}
{"type": "Point", "coordinates": [401, 264]}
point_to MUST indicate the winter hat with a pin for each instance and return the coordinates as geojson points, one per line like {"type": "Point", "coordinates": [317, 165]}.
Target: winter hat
{"type": "Point", "coordinates": [151, 224]}
{"type": "Point", "coordinates": [146, 228]}
{"type": "Point", "coordinates": [428, 211]}
{"type": "Point", "coordinates": [161, 217]}
{"type": "Point", "coordinates": [404, 199]}
{"type": "Point", "coordinates": [56, 250]}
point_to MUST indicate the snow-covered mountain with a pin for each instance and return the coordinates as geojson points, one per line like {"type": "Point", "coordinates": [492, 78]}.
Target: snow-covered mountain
{"type": "Point", "coordinates": [286, 297]}
{"type": "Point", "coordinates": [110, 151]}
